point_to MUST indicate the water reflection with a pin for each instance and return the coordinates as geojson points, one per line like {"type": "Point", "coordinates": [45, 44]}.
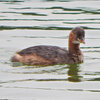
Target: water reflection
{"type": "Point", "coordinates": [73, 73]}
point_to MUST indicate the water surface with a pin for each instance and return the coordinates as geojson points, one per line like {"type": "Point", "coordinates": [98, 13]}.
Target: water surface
{"type": "Point", "coordinates": [25, 23]}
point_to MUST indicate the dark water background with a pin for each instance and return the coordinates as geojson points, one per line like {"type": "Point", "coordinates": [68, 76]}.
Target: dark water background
{"type": "Point", "coordinates": [25, 23]}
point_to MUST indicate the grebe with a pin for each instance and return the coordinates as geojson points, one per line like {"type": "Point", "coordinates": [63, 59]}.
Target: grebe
{"type": "Point", "coordinates": [51, 55]}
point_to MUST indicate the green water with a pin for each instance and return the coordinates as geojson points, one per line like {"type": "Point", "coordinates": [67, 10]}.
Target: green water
{"type": "Point", "coordinates": [25, 23]}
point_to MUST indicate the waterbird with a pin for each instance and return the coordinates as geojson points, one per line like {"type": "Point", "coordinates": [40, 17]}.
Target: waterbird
{"type": "Point", "coordinates": [52, 55]}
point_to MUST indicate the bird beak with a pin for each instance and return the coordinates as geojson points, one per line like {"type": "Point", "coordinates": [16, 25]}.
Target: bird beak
{"type": "Point", "coordinates": [81, 41]}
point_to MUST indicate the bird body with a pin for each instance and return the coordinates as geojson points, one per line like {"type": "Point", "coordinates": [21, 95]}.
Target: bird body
{"type": "Point", "coordinates": [51, 55]}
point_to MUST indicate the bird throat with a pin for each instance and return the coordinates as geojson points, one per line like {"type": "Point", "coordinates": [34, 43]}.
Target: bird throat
{"type": "Point", "coordinates": [73, 47]}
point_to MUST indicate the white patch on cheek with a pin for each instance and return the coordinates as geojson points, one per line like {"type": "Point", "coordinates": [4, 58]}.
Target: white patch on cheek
{"type": "Point", "coordinates": [76, 42]}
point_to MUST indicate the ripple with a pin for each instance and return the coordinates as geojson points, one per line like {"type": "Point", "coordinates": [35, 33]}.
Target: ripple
{"type": "Point", "coordinates": [82, 9]}
{"type": "Point", "coordinates": [94, 79]}
{"type": "Point", "coordinates": [81, 22]}
{"type": "Point", "coordinates": [65, 9]}
{"type": "Point", "coordinates": [65, 13]}
{"type": "Point", "coordinates": [42, 28]}
{"type": "Point", "coordinates": [11, 0]}
{"type": "Point", "coordinates": [63, 37]}
{"type": "Point", "coordinates": [27, 13]}
{"type": "Point", "coordinates": [92, 12]}
{"type": "Point", "coordinates": [23, 8]}
{"type": "Point", "coordinates": [94, 90]}
{"type": "Point", "coordinates": [36, 19]}
{"type": "Point", "coordinates": [34, 27]}
{"type": "Point", "coordinates": [36, 14]}
{"type": "Point", "coordinates": [89, 47]}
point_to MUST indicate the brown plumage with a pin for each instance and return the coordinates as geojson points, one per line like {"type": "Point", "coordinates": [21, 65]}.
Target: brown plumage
{"type": "Point", "coordinates": [50, 55]}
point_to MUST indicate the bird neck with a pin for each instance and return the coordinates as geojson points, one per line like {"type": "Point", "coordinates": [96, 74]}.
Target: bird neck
{"type": "Point", "coordinates": [72, 47]}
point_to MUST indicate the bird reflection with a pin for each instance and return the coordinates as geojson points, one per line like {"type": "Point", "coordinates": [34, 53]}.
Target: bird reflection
{"type": "Point", "coordinates": [73, 73]}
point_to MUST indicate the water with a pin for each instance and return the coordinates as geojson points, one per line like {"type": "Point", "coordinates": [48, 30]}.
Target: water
{"type": "Point", "coordinates": [25, 23]}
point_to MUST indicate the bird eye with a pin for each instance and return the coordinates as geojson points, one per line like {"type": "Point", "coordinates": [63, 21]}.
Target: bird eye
{"type": "Point", "coordinates": [78, 35]}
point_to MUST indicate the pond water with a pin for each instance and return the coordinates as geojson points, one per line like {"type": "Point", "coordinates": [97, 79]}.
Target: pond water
{"type": "Point", "coordinates": [25, 23]}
